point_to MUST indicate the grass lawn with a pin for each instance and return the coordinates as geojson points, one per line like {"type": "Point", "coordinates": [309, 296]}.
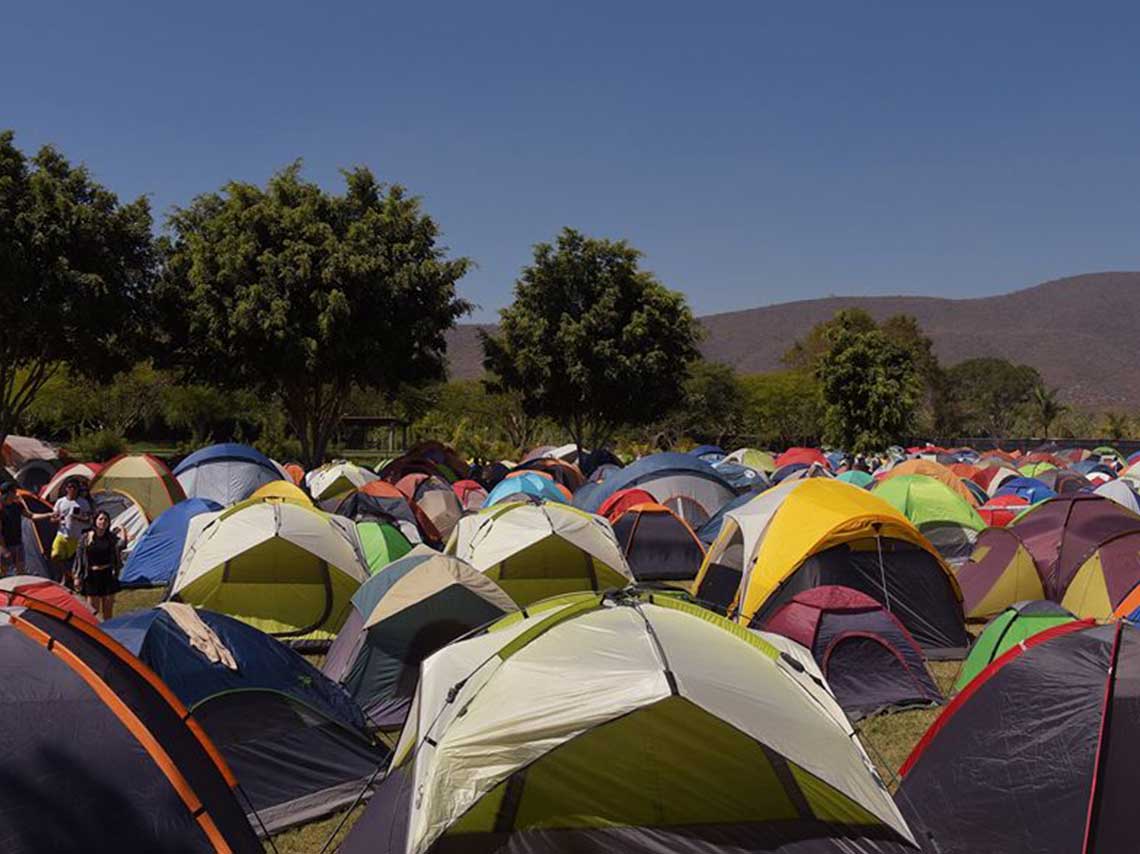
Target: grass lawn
{"type": "Point", "coordinates": [888, 739]}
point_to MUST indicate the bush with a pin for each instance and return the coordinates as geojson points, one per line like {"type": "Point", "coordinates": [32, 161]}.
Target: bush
{"type": "Point", "coordinates": [98, 446]}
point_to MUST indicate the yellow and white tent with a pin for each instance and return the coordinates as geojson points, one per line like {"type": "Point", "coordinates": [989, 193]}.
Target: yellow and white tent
{"type": "Point", "coordinates": [534, 551]}
{"type": "Point", "coordinates": [284, 568]}
{"type": "Point", "coordinates": [817, 531]}
{"type": "Point", "coordinates": [143, 477]}
{"type": "Point", "coordinates": [332, 481]}
{"type": "Point", "coordinates": [624, 722]}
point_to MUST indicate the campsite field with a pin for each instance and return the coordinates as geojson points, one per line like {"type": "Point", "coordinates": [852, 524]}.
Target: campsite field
{"type": "Point", "coordinates": [888, 739]}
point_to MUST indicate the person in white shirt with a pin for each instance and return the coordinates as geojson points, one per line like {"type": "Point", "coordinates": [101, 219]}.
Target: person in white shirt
{"type": "Point", "coordinates": [73, 514]}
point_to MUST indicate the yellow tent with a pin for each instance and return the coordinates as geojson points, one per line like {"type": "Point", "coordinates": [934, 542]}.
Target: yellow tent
{"type": "Point", "coordinates": [282, 490]}
{"type": "Point", "coordinates": [821, 531]}
{"type": "Point", "coordinates": [144, 478]}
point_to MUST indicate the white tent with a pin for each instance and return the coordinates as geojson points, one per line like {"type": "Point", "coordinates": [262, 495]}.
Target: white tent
{"type": "Point", "coordinates": [632, 723]}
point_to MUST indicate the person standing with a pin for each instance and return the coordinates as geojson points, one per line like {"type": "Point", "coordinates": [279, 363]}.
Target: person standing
{"type": "Point", "coordinates": [71, 513]}
{"type": "Point", "coordinates": [98, 561]}
{"type": "Point", "coordinates": [12, 531]}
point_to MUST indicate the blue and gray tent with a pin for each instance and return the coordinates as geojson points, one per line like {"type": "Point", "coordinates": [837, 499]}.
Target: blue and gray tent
{"type": "Point", "coordinates": [154, 559]}
{"type": "Point", "coordinates": [1029, 488]}
{"type": "Point", "coordinates": [294, 739]}
{"type": "Point", "coordinates": [411, 608]}
{"type": "Point", "coordinates": [529, 484]}
{"type": "Point", "coordinates": [691, 488]}
{"type": "Point", "coordinates": [226, 473]}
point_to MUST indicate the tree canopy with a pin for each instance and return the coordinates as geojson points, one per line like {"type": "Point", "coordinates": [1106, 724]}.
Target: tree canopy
{"type": "Point", "coordinates": [303, 294]}
{"type": "Point", "coordinates": [591, 340]}
{"type": "Point", "coordinates": [871, 389]}
{"type": "Point", "coordinates": [989, 394]}
{"type": "Point", "coordinates": [76, 272]}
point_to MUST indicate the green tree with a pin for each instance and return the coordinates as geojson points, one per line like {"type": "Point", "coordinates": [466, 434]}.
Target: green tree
{"type": "Point", "coordinates": [1045, 408]}
{"type": "Point", "coordinates": [76, 272]}
{"type": "Point", "coordinates": [782, 408]}
{"type": "Point", "coordinates": [591, 340]}
{"type": "Point", "coordinates": [302, 294]}
{"type": "Point", "coordinates": [712, 405]}
{"type": "Point", "coordinates": [989, 393]}
{"type": "Point", "coordinates": [805, 354]}
{"type": "Point", "coordinates": [871, 389]}
{"type": "Point", "coordinates": [1116, 425]}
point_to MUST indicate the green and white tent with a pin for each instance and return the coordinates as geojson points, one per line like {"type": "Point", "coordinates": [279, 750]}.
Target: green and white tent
{"type": "Point", "coordinates": [942, 515]}
{"type": "Point", "coordinates": [534, 550]}
{"type": "Point", "coordinates": [282, 567]}
{"type": "Point", "coordinates": [626, 722]}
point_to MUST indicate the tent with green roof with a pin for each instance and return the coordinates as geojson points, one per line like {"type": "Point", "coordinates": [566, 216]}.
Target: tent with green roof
{"type": "Point", "coordinates": [857, 478]}
{"type": "Point", "coordinates": [381, 544]}
{"type": "Point", "coordinates": [939, 513]}
{"type": "Point", "coordinates": [1016, 624]}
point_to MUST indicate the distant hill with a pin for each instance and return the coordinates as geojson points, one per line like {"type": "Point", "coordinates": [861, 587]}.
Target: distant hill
{"type": "Point", "coordinates": [1082, 333]}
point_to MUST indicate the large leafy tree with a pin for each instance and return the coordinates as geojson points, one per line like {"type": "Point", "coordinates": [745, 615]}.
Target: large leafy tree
{"type": "Point", "coordinates": [990, 393]}
{"type": "Point", "coordinates": [76, 273]}
{"type": "Point", "coordinates": [591, 340]}
{"type": "Point", "coordinates": [871, 389]}
{"type": "Point", "coordinates": [303, 294]}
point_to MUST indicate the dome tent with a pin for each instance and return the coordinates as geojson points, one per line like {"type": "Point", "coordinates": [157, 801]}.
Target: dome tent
{"type": "Point", "coordinates": [380, 544]}
{"type": "Point", "coordinates": [154, 559]}
{"type": "Point", "coordinates": [691, 488]}
{"type": "Point", "coordinates": [435, 497]}
{"type": "Point", "coordinates": [581, 710]}
{"type": "Point", "coordinates": [287, 569]}
{"type": "Point", "coordinates": [411, 608]}
{"type": "Point", "coordinates": [226, 473]}
{"type": "Point", "coordinates": [18, 589]}
{"type": "Point", "coordinates": [1037, 753]}
{"type": "Point", "coordinates": [84, 472]}
{"type": "Point", "coordinates": [380, 501]}
{"type": "Point", "coordinates": [940, 514]}
{"type": "Point", "coordinates": [1015, 625]}
{"type": "Point", "coordinates": [657, 544]}
{"type": "Point", "coordinates": [294, 740]}
{"type": "Point", "coordinates": [1056, 537]}
{"type": "Point", "coordinates": [870, 661]}
{"type": "Point", "coordinates": [143, 776]}
{"type": "Point", "coordinates": [819, 531]}
{"type": "Point", "coordinates": [143, 477]}
{"type": "Point", "coordinates": [525, 484]}
{"type": "Point", "coordinates": [334, 480]}
{"type": "Point", "coordinates": [533, 551]}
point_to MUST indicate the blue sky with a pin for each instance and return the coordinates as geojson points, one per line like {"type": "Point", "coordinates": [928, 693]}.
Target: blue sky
{"type": "Point", "coordinates": [755, 153]}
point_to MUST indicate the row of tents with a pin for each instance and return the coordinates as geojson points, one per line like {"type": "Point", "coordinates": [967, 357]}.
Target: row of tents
{"type": "Point", "coordinates": [551, 641]}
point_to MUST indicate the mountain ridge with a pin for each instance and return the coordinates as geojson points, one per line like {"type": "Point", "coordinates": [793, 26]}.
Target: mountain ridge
{"type": "Point", "coordinates": [1081, 332]}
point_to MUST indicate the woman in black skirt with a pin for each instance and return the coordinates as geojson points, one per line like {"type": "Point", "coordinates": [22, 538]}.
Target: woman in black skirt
{"type": "Point", "coordinates": [98, 562]}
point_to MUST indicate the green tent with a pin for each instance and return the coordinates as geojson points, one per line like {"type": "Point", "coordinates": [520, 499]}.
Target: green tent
{"type": "Point", "coordinates": [1017, 623]}
{"type": "Point", "coordinates": [1036, 469]}
{"type": "Point", "coordinates": [858, 478]}
{"type": "Point", "coordinates": [940, 513]}
{"type": "Point", "coordinates": [382, 543]}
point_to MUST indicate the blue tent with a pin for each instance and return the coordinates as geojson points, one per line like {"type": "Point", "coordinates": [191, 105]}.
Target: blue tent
{"type": "Point", "coordinates": [226, 473]}
{"type": "Point", "coordinates": [527, 483]}
{"type": "Point", "coordinates": [294, 738]}
{"type": "Point", "coordinates": [1029, 488]}
{"type": "Point", "coordinates": [155, 557]}
{"type": "Point", "coordinates": [690, 487]}
{"type": "Point", "coordinates": [708, 453]}
{"type": "Point", "coordinates": [741, 476]}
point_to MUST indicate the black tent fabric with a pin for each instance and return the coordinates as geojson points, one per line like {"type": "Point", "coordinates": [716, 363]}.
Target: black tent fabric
{"type": "Point", "coordinates": [99, 756]}
{"type": "Point", "coordinates": [1038, 753]}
